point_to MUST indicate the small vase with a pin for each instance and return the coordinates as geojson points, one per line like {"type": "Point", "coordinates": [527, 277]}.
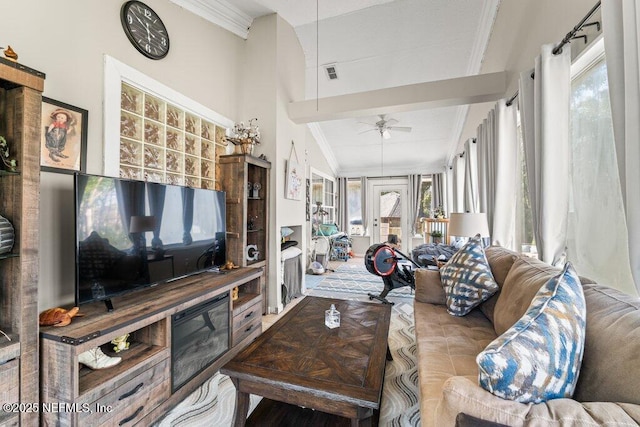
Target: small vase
{"type": "Point", "coordinates": [247, 148]}
{"type": "Point", "coordinates": [7, 235]}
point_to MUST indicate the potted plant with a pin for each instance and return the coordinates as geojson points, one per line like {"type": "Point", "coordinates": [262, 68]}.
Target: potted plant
{"type": "Point", "coordinates": [436, 236]}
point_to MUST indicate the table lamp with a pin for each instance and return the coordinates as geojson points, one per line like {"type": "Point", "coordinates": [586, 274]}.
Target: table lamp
{"type": "Point", "coordinates": [468, 224]}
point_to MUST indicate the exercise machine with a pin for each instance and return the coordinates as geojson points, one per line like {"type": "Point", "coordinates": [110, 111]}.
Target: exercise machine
{"type": "Point", "coordinates": [395, 268]}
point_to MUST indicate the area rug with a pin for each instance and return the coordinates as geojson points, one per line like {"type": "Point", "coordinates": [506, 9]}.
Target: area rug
{"type": "Point", "coordinates": [212, 404]}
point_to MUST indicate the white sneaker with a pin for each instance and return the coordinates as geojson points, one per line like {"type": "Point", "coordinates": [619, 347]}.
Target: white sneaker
{"type": "Point", "coordinates": [96, 359]}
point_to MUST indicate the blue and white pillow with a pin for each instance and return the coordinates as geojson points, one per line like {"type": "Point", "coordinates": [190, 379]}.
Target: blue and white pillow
{"type": "Point", "coordinates": [467, 279]}
{"type": "Point", "coordinates": [539, 357]}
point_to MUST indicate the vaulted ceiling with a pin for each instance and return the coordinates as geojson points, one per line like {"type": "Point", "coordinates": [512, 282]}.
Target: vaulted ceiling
{"type": "Point", "coordinates": [374, 45]}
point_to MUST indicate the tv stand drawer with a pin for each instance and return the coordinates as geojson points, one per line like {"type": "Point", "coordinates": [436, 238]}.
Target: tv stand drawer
{"type": "Point", "coordinates": [247, 323]}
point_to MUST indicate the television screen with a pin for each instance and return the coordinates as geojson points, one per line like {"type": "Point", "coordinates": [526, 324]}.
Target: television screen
{"type": "Point", "coordinates": [132, 234]}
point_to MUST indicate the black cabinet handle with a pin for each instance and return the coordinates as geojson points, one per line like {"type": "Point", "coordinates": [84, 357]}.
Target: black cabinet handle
{"type": "Point", "coordinates": [131, 392]}
{"type": "Point", "coordinates": [129, 418]}
{"type": "Point", "coordinates": [249, 328]}
{"type": "Point", "coordinates": [249, 315]}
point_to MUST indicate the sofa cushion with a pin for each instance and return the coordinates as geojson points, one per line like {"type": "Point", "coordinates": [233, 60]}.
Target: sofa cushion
{"type": "Point", "coordinates": [446, 346]}
{"type": "Point", "coordinates": [539, 357]}
{"type": "Point", "coordinates": [429, 287]}
{"type": "Point", "coordinates": [611, 364]}
{"type": "Point", "coordinates": [500, 260]}
{"type": "Point", "coordinates": [459, 394]}
{"type": "Point", "coordinates": [467, 278]}
{"type": "Point", "coordinates": [523, 281]}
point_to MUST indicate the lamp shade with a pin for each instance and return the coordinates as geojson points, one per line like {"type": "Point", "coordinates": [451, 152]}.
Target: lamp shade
{"type": "Point", "coordinates": [468, 224]}
{"type": "Point", "coordinates": [140, 224]}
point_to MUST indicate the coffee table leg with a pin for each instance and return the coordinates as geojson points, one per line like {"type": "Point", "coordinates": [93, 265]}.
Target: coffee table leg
{"type": "Point", "coordinates": [242, 407]}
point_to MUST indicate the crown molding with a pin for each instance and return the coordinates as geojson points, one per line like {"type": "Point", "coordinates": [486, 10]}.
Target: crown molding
{"type": "Point", "coordinates": [221, 13]}
{"type": "Point", "coordinates": [318, 134]}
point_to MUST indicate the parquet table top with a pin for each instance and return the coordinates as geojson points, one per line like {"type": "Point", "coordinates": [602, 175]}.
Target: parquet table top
{"type": "Point", "coordinates": [300, 361]}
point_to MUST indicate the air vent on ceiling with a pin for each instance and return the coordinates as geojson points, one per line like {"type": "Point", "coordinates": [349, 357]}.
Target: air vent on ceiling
{"type": "Point", "coordinates": [332, 72]}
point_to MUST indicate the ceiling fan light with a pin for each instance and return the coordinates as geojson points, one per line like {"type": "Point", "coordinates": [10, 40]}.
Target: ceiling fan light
{"type": "Point", "coordinates": [386, 134]}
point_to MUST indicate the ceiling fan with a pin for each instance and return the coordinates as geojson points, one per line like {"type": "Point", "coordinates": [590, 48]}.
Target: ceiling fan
{"type": "Point", "coordinates": [383, 126]}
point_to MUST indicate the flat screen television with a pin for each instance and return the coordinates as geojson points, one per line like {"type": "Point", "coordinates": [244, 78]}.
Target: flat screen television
{"type": "Point", "coordinates": [133, 234]}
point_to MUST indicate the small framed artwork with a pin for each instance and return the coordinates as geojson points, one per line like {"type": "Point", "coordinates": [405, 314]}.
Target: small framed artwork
{"type": "Point", "coordinates": [64, 137]}
{"type": "Point", "coordinates": [293, 183]}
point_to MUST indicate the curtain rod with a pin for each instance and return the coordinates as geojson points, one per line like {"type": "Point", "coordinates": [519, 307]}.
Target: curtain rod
{"type": "Point", "coordinates": [567, 39]}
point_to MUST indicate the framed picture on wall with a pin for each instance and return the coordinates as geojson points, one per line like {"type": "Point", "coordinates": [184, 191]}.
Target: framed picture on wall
{"type": "Point", "coordinates": [293, 183]}
{"type": "Point", "coordinates": [64, 137]}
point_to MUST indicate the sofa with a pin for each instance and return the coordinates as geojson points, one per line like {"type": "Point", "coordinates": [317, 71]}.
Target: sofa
{"type": "Point", "coordinates": [608, 387]}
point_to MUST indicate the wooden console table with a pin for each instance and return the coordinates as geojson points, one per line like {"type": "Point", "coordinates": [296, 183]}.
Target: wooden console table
{"type": "Point", "coordinates": [138, 389]}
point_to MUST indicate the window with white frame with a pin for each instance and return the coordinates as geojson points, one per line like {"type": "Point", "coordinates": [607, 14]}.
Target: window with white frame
{"type": "Point", "coordinates": [323, 196]}
{"type": "Point", "coordinates": [154, 133]}
{"type": "Point", "coordinates": [354, 203]}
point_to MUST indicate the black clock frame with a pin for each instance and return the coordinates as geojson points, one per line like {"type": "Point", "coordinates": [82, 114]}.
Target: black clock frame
{"type": "Point", "coordinates": [128, 30]}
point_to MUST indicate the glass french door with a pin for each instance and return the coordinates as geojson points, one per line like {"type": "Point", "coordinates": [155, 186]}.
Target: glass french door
{"type": "Point", "coordinates": [390, 213]}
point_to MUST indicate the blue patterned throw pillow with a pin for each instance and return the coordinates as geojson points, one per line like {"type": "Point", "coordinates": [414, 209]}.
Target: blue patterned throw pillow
{"type": "Point", "coordinates": [467, 279]}
{"type": "Point", "coordinates": [539, 357]}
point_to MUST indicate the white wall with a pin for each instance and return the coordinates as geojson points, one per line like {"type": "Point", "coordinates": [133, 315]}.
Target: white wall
{"type": "Point", "coordinates": [521, 28]}
{"type": "Point", "coordinates": [68, 39]}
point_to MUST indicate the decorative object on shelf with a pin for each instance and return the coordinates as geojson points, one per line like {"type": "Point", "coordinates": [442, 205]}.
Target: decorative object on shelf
{"type": "Point", "coordinates": [229, 265]}
{"type": "Point", "coordinates": [251, 222]}
{"type": "Point", "coordinates": [245, 136]}
{"type": "Point", "coordinates": [255, 191]}
{"type": "Point", "coordinates": [58, 316]}
{"type": "Point", "coordinates": [96, 359]}
{"type": "Point", "coordinates": [234, 293]}
{"type": "Point", "coordinates": [436, 235]}
{"type": "Point", "coordinates": [249, 188]}
{"type": "Point", "coordinates": [120, 343]}
{"type": "Point", "coordinates": [252, 253]}
{"type": "Point", "coordinates": [7, 235]}
{"type": "Point", "coordinates": [64, 137]}
{"type": "Point", "coordinates": [10, 53]}
{"type": "Point", "coordinates": [145, 29]}
{"type": "Point", "coordinates": [295, 175]}
{"type": "Point", "coordinates": [332, 317]}
{"type": "Point", "coordinates": [10, 164]}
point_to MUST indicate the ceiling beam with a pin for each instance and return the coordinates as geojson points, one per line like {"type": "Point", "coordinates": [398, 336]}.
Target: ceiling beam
{"type": "Point", "coordinates": [420, 96]}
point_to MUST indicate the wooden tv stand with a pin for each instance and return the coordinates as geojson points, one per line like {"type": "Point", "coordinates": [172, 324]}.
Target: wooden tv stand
{"type": "Point", "coordinates": [139, 387]}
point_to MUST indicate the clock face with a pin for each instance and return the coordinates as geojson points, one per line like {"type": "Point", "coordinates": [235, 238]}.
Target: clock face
{"type": "Point", "coordinates": [145, 29]}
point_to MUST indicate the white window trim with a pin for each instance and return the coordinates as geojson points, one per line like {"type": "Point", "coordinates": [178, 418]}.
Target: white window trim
{"type": "Point", "coordinates": [116, 72]}
{"type": "Point", "coordinates": [588, 58]}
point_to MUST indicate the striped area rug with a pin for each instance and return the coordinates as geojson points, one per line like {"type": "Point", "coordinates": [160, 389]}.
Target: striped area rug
{"type": "Point", "coordinates": [213, 403]}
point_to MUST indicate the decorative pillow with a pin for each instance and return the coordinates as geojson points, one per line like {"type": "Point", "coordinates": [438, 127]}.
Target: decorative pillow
{"type": "Point", "coordinates": [539, 357]}
{"type": "Point", "coordinates": [286, 231]}
{"type": "Point", "coordinates": [467, 279]}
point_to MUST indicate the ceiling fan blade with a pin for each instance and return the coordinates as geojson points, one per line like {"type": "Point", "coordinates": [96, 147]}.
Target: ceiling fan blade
{"type": "Point", "coordinates": [400, 128]}
{"type": "Point", "coordinates": [365, 131]}
{"type": "Point", "coordinates": [391, 122]}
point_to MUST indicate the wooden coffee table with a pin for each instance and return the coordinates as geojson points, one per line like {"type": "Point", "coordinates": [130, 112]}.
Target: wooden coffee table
{"type": "Point", "coordinates": [299, 361]}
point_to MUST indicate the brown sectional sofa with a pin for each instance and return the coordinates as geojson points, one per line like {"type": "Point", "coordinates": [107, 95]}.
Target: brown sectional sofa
{"type": "Point", "coordinates": [608, 389]}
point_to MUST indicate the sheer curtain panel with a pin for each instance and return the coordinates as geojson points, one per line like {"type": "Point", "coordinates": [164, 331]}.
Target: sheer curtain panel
{"type": "Point", "coordinates": [621, 27]}
{"type": "Point", "coordinates": [342, 217]}
{"type": "Point", "coordinates": [415, 182]}
{"type": "Point", "coordinates": [471, 202]}
{"type": "Point", "coordinates": [363, 205]}
{"type": "Point", "coordinates": [544, 103]}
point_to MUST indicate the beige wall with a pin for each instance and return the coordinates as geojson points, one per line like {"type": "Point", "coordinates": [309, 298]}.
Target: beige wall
{"type": "Point", "coordinates": [68, 39]}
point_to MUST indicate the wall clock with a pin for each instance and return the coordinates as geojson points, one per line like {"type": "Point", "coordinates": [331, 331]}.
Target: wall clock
{"type": "Point", "coordinates": [145, 29]}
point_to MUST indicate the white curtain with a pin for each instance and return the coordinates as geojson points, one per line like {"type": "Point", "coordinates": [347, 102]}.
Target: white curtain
{"type": "Point", "coordinates": [342, 217]}
{"type": "Point", "coordinates": [498, 173]}
{"type": "Point", "coordinates": [415, 183]}
{"type": "Point", "coordinates": [364, 208]}
{"type": "Point", "coordinates": [471, 202]}
{"type": "Point", "coordinates": [437, 190]}
{"type": "Point", "coordinates": [621, 26]}
{"type": "Point", "coordinates": [449, 190]}
{"type": "Point", "coordinates": [458, 184]}
{"type": "Point", "coordinates": [544, 104]}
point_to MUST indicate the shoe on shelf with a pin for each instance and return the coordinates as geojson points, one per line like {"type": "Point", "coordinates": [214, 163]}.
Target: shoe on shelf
{"type": "Point", "coordinates": [96, 359]}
